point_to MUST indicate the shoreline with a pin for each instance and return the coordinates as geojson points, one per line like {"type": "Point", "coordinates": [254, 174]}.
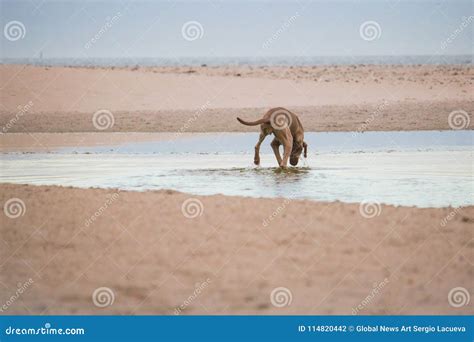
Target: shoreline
{"type": "Point", "coordinates": [247, 64]}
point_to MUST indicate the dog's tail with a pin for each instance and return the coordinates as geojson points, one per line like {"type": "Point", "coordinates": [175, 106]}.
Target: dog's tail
{"type": "Point", "coordinates": [253, 123]}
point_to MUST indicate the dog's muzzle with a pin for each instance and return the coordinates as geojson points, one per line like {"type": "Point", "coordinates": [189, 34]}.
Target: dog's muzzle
{"type": "Point", "coordinates": [294, 161]}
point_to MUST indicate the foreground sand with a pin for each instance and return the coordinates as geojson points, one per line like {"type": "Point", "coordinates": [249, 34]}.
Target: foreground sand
{"type": "Point", "coordinates": [154, 259]}
{"type": "Point", "coordinates": [207, 99]}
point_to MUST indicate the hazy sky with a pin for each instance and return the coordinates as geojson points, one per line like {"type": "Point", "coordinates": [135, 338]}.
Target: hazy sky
{"type": "Point", "coordinates": [235, 28]}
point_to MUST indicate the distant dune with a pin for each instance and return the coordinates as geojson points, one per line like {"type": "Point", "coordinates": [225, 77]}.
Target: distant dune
{"type": "Point", "coordinates": [207, 99]}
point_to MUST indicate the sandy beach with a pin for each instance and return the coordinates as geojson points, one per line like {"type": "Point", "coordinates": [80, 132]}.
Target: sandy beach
{"type": "Point", "coordinates": [156, 260]}
{"type": "Point", "coordinates": [207, 99]}
{"type": "Point", "coordinates": [66, 243]}
{"type": "Point", "coordinates": [237, 170]}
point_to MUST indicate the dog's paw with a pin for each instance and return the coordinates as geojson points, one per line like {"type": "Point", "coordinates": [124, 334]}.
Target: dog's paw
{"type": "Point", "coordinates": [256, 162]}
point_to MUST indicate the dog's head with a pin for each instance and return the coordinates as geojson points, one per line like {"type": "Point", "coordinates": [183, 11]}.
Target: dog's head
{"type": "Point", "coordinates": [298, 147]}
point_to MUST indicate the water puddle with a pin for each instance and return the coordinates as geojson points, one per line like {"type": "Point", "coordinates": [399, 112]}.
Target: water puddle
{"type": "Point", "coordinates": [424, 169]}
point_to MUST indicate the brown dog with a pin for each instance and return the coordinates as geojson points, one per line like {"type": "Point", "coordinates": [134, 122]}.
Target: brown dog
{"type": "Point", "coordinates": [288, 131]}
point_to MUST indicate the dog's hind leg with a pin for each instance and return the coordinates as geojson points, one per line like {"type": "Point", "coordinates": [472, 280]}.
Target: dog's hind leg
{"type": "Point", "coordinates": [256, 158]}
{"type": "Point", "coordinates": [276, 149]}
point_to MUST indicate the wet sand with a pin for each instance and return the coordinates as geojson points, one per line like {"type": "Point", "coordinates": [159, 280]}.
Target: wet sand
{"type": "Point", "coordinates": [207, 99]}
{"type": "Point", "coordinates": [153, 258]}
{"type": "Point", "coordinates": [49, 142]}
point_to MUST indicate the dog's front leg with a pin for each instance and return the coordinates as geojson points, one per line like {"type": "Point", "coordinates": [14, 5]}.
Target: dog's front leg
{"type": "Point", "coordinates": [256, 158]}
{"type": "Point", "coordinates": [288, 147]}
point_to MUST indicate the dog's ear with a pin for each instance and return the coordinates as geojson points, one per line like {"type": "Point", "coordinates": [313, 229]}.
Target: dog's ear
{"type": "Point", "coordinates": [305, 147]}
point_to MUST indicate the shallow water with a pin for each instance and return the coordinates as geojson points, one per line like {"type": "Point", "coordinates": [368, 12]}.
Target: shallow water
{"type": "Point", "coordinates": [323, 142]}
{"type": "Point", "coordinates": [424, 169]}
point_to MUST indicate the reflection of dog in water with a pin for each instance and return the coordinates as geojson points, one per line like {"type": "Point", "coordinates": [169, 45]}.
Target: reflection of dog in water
{"type": "Point", "coordinates": [288, 131]}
